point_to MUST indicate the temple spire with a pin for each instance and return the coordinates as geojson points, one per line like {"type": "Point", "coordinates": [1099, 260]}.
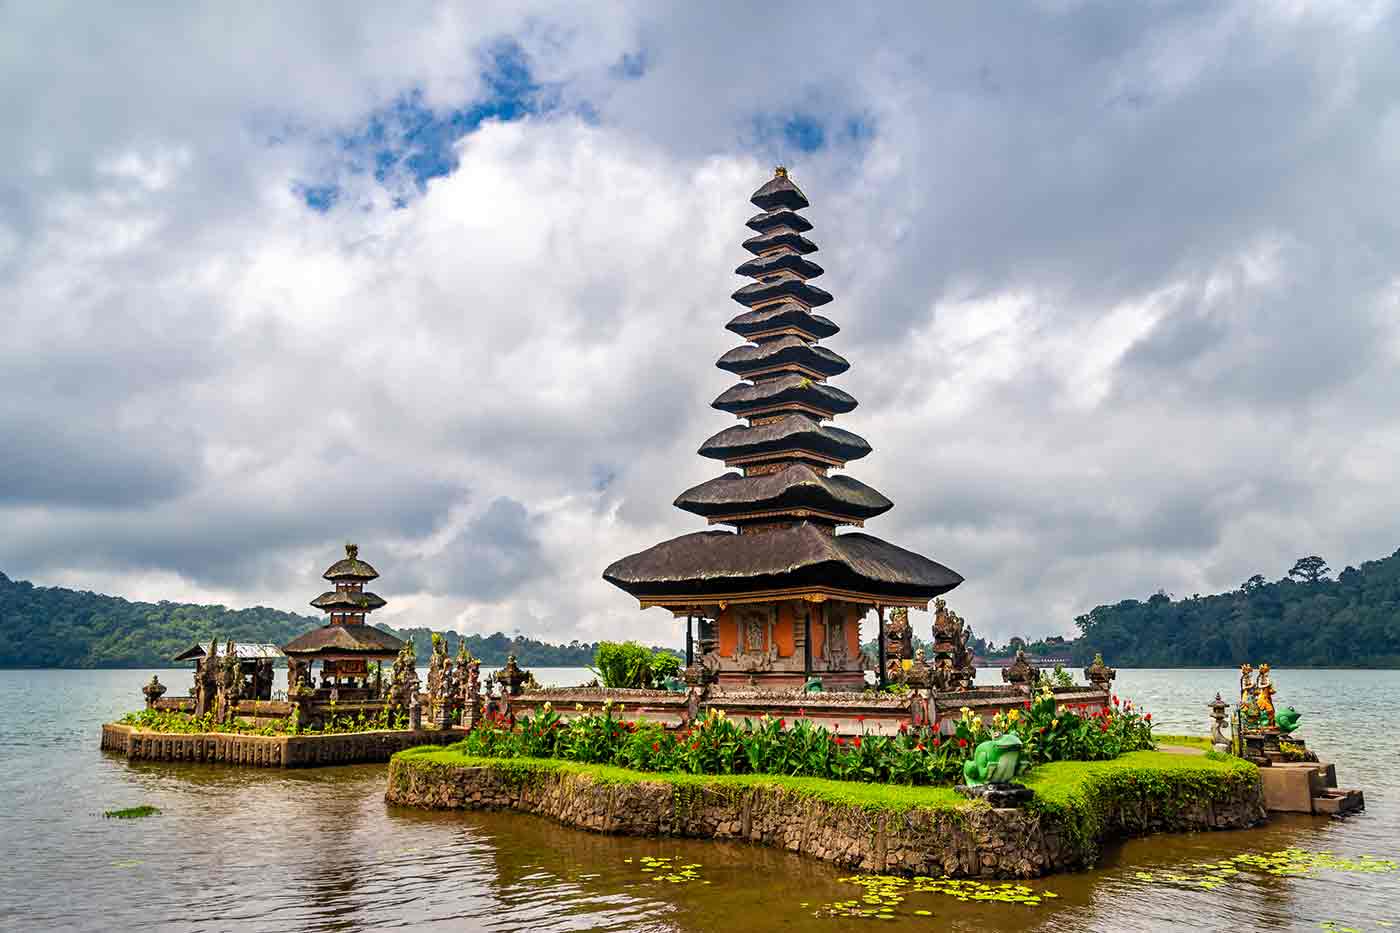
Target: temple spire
{"type": "Point", "coordinates": [782, 499]}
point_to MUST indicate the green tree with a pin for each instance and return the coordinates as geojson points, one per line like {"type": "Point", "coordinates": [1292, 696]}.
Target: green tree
{"type": "Point", "coordinates": [1310, 569]}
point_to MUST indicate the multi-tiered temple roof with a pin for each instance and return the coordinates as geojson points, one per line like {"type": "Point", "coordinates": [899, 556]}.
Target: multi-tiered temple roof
{"type": "Point", "coordinates": [346, 632]}
{"type": "Point", "coordinates": [784, 504]}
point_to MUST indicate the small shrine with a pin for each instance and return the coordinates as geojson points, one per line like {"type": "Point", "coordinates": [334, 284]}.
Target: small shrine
{"type": "Point", "coordinates": [1294, 779]}
{"type": "Point", "coordinates": [781, 598]}
{"type": "Point", "coordinates": [346, 643]}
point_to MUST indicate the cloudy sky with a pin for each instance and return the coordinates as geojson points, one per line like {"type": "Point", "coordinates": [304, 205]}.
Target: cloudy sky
{"type": "Point", "coordinates": [1120, 284]}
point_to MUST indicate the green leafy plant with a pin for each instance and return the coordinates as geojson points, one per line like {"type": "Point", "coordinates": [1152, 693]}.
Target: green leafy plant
{"type": "Point", "coordinates": [628, 664]}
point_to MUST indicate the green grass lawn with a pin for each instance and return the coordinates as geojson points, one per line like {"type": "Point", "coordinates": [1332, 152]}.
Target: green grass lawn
{"type": "Point", "coordinates": [1188, 741]}
{"type": "Point", "coordinates": [1059, 784]}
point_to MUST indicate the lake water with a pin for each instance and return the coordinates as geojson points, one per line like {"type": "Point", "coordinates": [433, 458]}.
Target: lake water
{"type": "Point", "coordinates": [237, 849]}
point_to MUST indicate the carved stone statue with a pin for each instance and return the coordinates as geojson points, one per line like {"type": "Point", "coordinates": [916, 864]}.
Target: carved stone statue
{"type": "Point", "coordinates": [1022, 671]}
{"type": "Point", "coordinates": [403, 680]}
{"type": "Point", "coordinates": [919, 675]}
{"type": "Point", "coordinates": [899, 643]}
{"type": "Point", "coordinates": [1100, 674]}
{"type": "Point", "coordinates": [471, 691]}
{"type": "Point", "coordinates": [230, 684]}
{"type": "Point", "coordinates": [511, 677]}
{"type": "Point", "coordinates": [1264, 694]}
{"type": "Point", "coordinates": [1246, 684]}
{"type": "Point", "coordinates": [153, 691]}
{"type": "Point", "coordinates": [952, 663]}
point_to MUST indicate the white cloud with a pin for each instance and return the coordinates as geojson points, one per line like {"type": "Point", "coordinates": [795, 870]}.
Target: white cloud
{"type": "Point", "coordinates": [1121, 312]}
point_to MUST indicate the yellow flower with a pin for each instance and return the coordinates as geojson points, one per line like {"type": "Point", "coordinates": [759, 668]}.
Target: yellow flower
{"type": "Point", "coordinates": [579, 707]}
{"type": "Point", "coordinates": [1013, 714]}
{"type": "Point", "coordinates": [548, 706]}
{"type": "Point", "coordinates": [1054, 724]}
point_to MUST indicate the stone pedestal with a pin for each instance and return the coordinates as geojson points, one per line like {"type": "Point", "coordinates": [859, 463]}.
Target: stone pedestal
{"type": "Point", "coordinates": [999, 796]}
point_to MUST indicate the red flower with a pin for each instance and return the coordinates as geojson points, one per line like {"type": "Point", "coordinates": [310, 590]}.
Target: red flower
{"type": "Point", "coordinates": [656, 746]}
{"type": "Point", "coordinates": [904, 727]}
{"type": "Point", "coordinates": [782, 723]}
{"type": "Point", "coordinates": [919, 747]}
{"type": "Point", "coordinates": [937, 741]}
{"type": "Point", "coordinates": [694, 746]}
{"type": "Point", "coordinates": [802, 711]}
{"type": "Point", "coordinates": [962, 743]}
{"type": "Point", "coordinates": [1028, 704]}
{"type": "Point", "coordinates": [1115, 699]}
{"type": "Point", "coordinates": [860, 718]}
{"type": "Point", "coordinates": [1103, 727]}
{"type": "Point", "coordinates": [1148, 717]}
{"type": "Point", "coordinates": [856, 741]}
{"type": "Point", "coordinates": [838, 740]}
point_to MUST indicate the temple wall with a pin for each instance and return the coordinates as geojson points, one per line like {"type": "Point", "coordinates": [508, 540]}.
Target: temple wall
{"type": "Point", "coordinates": [268, 751]}
{"type": "Point", "coordinates": [728, 629]}
{"type": "Point", "coordinates": [971, 841]}
{"type": "Point", "coordinates": [785, 632]}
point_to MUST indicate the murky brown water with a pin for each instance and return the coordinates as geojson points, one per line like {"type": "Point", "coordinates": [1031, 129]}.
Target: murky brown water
{"type": "Point", "coordinates": [319, 850]}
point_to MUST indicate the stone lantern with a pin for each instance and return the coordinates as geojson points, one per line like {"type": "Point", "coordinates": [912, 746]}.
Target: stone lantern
{"type": "Point", "coordinates": [1219, 740]}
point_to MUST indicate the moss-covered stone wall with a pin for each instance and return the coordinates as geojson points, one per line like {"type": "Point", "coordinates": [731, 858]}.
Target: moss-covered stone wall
{"type": "Point", "coordinates": [925, 831]}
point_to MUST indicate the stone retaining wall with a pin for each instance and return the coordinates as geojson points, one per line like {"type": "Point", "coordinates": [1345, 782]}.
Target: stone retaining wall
{"type": "Point", "coordinates": [974, 841]}
{"type": "Point", "coordinates": [269, 751]}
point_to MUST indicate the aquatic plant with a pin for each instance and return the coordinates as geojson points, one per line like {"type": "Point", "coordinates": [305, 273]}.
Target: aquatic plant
{"type": "Point", "coordinates": [131, 813]}
{"type": "Point", "coordinates": [884, 894]}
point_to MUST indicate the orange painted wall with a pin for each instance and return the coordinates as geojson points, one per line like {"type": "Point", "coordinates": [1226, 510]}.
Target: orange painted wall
{"type": "Point", "coordinates": [728, 634]}
{"type": "Point", "coordinates": [784, 632]}
{"type": "Point", "coordinates": [853, 634]}
{"type": "Point", "coordinates": [818, 632]}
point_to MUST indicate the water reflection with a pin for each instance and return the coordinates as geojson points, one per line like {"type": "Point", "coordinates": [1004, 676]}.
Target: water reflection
{"type": "Point", "coordinates": [320, 850]}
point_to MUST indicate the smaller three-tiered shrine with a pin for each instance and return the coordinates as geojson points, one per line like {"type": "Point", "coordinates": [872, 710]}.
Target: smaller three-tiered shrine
{"type": "Point", "coordinates": [346, 643]}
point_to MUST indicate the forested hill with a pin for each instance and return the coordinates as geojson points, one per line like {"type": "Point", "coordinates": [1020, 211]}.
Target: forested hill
{"type": "Point", "coordinates": [1306, 619]}
{"type": "Point", "coordinates": [56, 627]}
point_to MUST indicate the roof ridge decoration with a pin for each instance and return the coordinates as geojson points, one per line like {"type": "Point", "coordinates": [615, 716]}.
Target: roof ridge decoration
{"type": "Point", "coordinates": [783, 503]}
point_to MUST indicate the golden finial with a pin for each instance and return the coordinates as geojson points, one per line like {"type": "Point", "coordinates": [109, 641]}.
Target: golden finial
{"type": "Point", "coordinates": [780, 171]}
{"type": "Point", "coordinates": [352, 551]}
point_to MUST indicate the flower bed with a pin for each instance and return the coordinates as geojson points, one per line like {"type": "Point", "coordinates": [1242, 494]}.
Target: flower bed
{"type": "Point", "coordinates": [718, 744]}
{"type": "Point", "coordinates": [172, 722]}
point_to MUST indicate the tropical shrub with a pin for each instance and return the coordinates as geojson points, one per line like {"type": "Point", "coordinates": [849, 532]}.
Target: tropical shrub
{"type": "Point", "coordinates": [628, 664]}
{"type": "Point", "coordinates": [166, 721]}
{"type": "Point", "coordinates": [718, 744]}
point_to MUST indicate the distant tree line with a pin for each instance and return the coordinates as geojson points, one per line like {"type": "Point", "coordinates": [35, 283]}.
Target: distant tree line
{"type": "Point", "coordinates": [1304, 619]}
{"type": "Point", "coordinates": [492, 650]}
{"type": "Point", "coordinates": [49, 626]}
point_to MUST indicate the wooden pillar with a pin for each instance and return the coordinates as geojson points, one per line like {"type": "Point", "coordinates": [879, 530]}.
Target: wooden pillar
{"type": "Point", "coordinates": [880, 646]}
{"type": "Point", "coordinates": [689, 639]}
{"type": "Point", "coordinates": [807, 643]}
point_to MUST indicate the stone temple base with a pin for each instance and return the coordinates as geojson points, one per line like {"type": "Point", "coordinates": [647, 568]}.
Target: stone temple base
{"type": "Point", "coordinates": [998, 795]}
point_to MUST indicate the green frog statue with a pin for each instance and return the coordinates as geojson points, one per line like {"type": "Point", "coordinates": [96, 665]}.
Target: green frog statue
{"type": "Point", "coordinates": [995, 761]}
{"type": "Point", "coordinates": [1287, 720]}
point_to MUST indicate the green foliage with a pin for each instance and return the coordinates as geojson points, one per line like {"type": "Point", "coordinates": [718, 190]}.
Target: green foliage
{"type": "Point", "coordinates": [890, 797]}
{"type": "Point", "coordinates": [132, 813]}
{"type": "Point", "coordinates": [336, 723]}
{"type": "Point", "coordinates": [1091, 795]}
{"type": "Point", "coordinates": [1351, 621]}
{"type": "Point", "coordinates": [1052, 732]}
{"type": "Point", "coordinates": [1187, 741]}
{"type": "Point", "coordinates": [628, 664]}
{"type": "Point", "coordinates": [718, 744]}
